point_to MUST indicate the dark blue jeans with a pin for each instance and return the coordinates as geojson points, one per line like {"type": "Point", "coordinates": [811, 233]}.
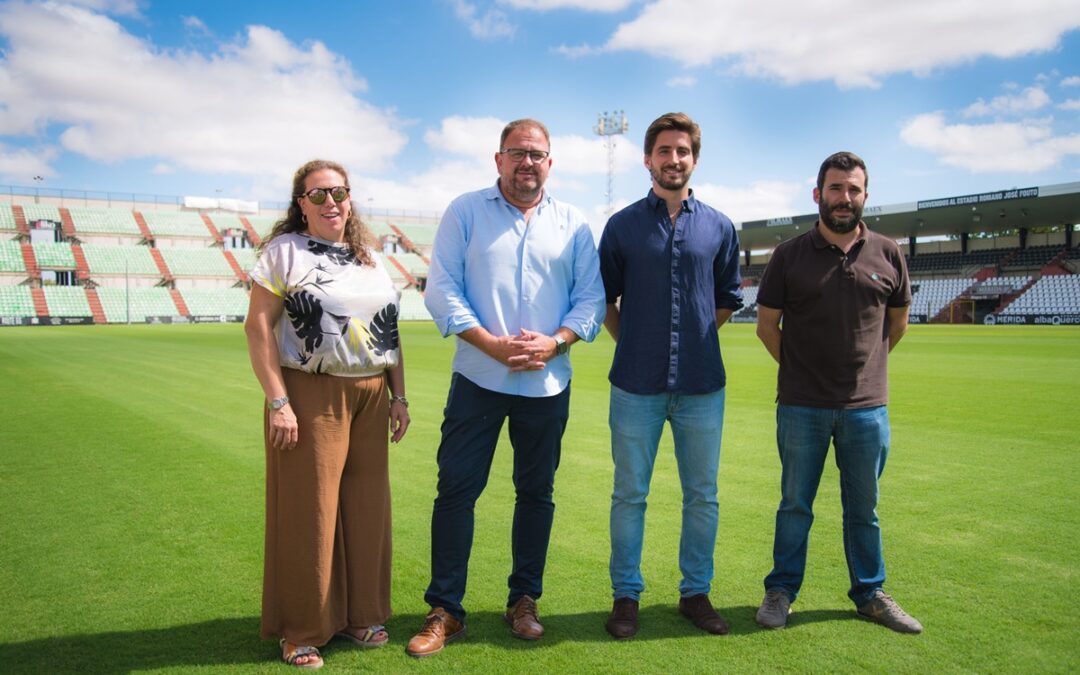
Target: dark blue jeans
{"type": "Point", "coordinates": [860, 438]}
{"type": "Point", "coordinates": [470, 431]}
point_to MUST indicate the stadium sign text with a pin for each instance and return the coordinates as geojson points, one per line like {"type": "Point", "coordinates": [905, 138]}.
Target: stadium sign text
{"type": "Point", "coordinates": [1032, 319]}
{"type": "Point", "coordinates": [998, 196]}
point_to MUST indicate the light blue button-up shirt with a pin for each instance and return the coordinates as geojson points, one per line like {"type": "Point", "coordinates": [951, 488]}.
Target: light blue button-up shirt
{"type": "Point", "coordinates": [491, 269]}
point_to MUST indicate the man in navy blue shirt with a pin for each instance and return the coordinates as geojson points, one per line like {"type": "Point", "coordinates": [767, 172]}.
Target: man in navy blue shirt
{"type": "Point", "coordinates": [670, 266]}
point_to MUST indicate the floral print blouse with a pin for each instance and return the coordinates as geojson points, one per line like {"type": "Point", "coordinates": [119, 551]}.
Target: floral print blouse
{"type": "Point", "coordinates": [341, 317]}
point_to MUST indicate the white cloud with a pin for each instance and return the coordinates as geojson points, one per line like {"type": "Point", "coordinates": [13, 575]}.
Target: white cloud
{"type": "Point", "coordinates": [195, 25]}
{"type": "Point", "coordinates": [1072, 81]}
{"type": "Point", "coordinates": [470, 144]}
{"type": "Point", "coordinates": [119, 7]}
{"type": "Point", "coordinates": [760, 199]}
{"type": "Point", "coordinates": [20, 165]}
{"type": "Point", "coordinates": [1018, 147]}
{"type": "Point", "coordinates": [576, 52]}
{"type": "Point", "coordinates": [581, 156]}
{"type": "Point", "coordinates": [586, 5]}
{"type": "Point", "coordinates": [682, 81]}
{"type": "Point", "coordinates": [489, 25]}
{"type": "Point", "coordinates": [808, 41]}
{"type": "Point", "coordinates": [476, 137]}
{"type": "Point", "coordinates": [236, 111]}
{"type": "Point", "coordinates": [1028, 100]}
{"type": "Point", "coordinates": [1071, 104]}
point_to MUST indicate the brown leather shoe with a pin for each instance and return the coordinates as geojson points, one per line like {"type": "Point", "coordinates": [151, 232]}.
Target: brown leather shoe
{"type": "Point", "coordinates": [698, 609]}
{"type": "Point", "coordinates": [523, 619]}
{"type": "Point", "coordinates": [622, 623]}
{"type": "Point", "coordinates": [439, 629]}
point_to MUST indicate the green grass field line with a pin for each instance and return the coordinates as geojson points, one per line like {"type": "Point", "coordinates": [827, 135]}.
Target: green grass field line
{"type": "Point", "coordinates": [131, 514]}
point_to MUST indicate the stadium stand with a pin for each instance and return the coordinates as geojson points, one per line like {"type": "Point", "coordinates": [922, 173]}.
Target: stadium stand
{"type": "Point", "coordinates": [7, 218]}
{"type": "Point", "coordinates": [245, 257]}
{"type": "Point", "coordinates": [261, 224]}
{"type": "Point", "coordinates": [54, 255]}
{"type": "Point", "coordinates": [752, 271]}
{"type": "Point", "coordinates": [145, 302]}
{"type": "Point", "coordinates": [107, 259]}
{"type": "Point", "coordinates": [16, 301]}
{"type": "Point", "coordinates": [171, 261]}
{"type": "Point", "coordinates": [176, 224]}
{"type": "Point", "coordinates": [422, 235]}
{"type": "Point", "coordinates": [1003, 285]}
{"type": "Point", "coordinates": [380, 228]}
{"type": "Point", "coordinates": [1031, 257]}
{"type": "Point", "coordinates": [36, 212]}
{"type": "Point", "coordinates": [412, 306]}
{"type": "Point", "coordinates": [930, 296]}
{"type": "Point", "coordinates": [216, 301]}
{"type": "Point", "coordinates": [414, 265]}
{"type": "Point", "coordinates": [67, 301]}
{"type": "Point", "coordinates": [90, 220]}
{"type": "Point", "coordinates": [197, 262]}
{"type": "Point", "coordinates": [1049, 295]}
{"type": "Point", "coordinates": [11, 257]}
{"type": "Point", "coordinates": [397, 275]}
{"type": "Point", "coordinates": [748, 313]}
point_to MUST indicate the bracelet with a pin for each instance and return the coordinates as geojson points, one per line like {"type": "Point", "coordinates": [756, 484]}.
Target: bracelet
{"type": "Point", "coordinates": [400, 399]}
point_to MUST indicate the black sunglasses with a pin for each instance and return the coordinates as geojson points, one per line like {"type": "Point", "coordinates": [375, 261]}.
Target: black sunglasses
{"type": "Point", "coordinates": [318, 195]}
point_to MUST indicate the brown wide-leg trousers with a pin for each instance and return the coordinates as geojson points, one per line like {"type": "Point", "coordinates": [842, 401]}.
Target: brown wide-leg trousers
{"type": "Point", "coordinates": [327, 563]}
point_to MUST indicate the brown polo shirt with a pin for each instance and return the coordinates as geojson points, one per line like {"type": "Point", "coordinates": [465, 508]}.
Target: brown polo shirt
{"type": "Point", "coordinates": [835, 336]}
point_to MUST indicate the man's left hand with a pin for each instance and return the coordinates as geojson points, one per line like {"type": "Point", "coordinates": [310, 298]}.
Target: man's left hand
{"type": "Point", "coordinates": [537, 350]}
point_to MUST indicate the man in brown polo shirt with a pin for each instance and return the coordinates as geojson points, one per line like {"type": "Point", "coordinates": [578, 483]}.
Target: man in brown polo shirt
{"type": "Point", "coordinates": [843, 293]}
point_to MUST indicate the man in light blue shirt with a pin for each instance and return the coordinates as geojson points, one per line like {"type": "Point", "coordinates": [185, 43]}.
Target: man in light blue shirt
{"type": "Point", "coordinates": [515, 276]}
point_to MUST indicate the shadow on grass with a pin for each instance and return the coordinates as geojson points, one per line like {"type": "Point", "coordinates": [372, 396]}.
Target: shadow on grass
{"type": "Point", "coordinates": [231, 641]}
{"type": "Point", "coordinates": [235, 641]}
{"type": "Point", "coordinates": [656, 622]}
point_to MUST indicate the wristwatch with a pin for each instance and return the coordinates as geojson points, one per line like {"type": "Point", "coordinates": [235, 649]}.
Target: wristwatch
{"type": "Point", "coordinates": [400, 399]}
{"type": "Point", "coordinates": [560, 346]}
{"type": "Point", "coordinates": [278, 403]}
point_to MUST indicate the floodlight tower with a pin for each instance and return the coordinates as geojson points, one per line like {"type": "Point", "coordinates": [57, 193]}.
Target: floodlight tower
{"type": "Point", "coordinates": [610, 126]}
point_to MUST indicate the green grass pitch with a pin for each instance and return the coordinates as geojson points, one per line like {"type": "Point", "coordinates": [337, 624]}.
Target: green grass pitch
{"type": "Point", "coordinates": [131, 515]}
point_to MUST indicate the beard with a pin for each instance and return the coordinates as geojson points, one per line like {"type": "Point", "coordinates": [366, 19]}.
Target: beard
{"type": "Point", "coordinates": [524, 186]}
{"type": "Point", "coordinates": [670, 182]}
{"type": "Point", "coordinates": [836, 224]}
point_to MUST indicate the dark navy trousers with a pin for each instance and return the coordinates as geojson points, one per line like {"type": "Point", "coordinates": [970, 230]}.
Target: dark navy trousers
{"type": "Point", "coordinates": [470, 431]}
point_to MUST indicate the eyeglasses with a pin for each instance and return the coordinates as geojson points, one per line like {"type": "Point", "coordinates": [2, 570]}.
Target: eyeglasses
{"type": "Point", "coordinates": [318, 195]}
{"type": "Point", "coordinates": [518, 154]}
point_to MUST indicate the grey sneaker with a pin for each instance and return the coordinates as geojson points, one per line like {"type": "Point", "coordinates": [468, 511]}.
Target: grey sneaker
{"type": "Point", "coordinates": [884, 610]}
{"type": "Point", "coordinates": [774, 610]}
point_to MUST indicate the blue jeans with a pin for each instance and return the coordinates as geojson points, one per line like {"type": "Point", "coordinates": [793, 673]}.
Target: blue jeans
{"type": "Point", "coordinates": [860, 438]}
{"type": "Point", "coordinates": [470, 431]}
{"type": "Point", "coordinates": [636, 424]}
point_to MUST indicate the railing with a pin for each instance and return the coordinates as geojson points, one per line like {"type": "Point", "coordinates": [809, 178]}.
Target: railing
{"type": "Point", "coordinates": [66, 197]}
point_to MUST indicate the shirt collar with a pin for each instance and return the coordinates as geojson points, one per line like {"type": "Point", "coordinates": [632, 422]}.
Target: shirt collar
{"type": "Point", "coordinates": [654, 200]}
{"type": "Point", "coordinates": [821, 242]}
{"type": "Point", "coordinates": [494, 193]}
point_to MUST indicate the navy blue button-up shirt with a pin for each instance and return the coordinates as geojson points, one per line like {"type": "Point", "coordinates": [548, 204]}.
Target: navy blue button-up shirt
{"type": "Point", "coordinates": [671, 279]}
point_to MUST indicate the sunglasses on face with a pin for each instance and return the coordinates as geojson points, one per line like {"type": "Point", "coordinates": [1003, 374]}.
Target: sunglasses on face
{"type": "Point", "coordinates": [318, 195]}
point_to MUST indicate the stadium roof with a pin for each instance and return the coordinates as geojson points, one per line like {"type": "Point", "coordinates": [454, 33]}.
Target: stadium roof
{"type": "Point", "coordinates": [1015, 208]}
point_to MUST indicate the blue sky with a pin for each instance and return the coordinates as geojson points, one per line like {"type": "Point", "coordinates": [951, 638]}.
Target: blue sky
{"type": "Point", "coordinates": [941, 97]}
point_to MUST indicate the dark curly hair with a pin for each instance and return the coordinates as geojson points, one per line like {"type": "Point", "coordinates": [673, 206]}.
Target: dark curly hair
{"type": "Point", "coordinates": [357, 236]}
{"type": "Point", "coordinates": [844, 161]}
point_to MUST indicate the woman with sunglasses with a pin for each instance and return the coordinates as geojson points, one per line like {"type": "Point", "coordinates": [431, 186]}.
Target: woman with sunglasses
{"type": "Point", "coordinates": [323, 339]}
